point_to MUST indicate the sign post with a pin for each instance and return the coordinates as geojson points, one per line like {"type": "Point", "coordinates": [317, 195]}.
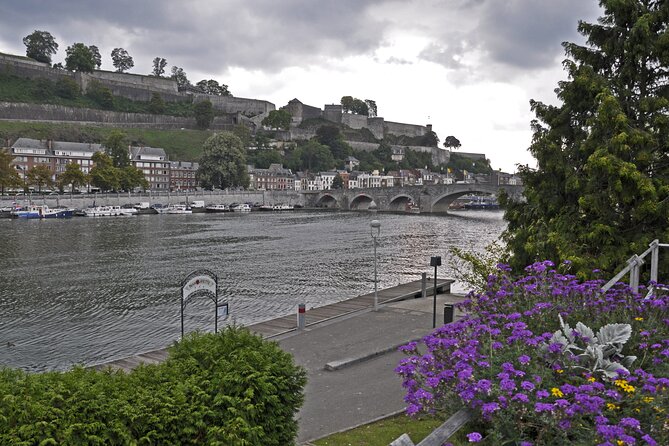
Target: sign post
{"type": "Point", "coordinates": [202, 283]}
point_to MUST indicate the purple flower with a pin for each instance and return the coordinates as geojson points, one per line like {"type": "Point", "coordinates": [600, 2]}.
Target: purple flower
{"type": "Point", "coordinates": [527, 386]}
{"type": "Point", "coordinates": [649, 440]}
{"type": "Point", "coordinates": [524, 359]}
{"type": "Point", "coordinates": [474, 437]}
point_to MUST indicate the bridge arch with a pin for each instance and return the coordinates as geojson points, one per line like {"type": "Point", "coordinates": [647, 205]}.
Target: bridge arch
{"type": "Point", "coordinates": [327, 201]}
{"type": "Point", "coordinates": [400, 202]}
{"type": "Point", "coordinates": [442, 202]}
{"type": "Point", "coordinates": [361, 202]}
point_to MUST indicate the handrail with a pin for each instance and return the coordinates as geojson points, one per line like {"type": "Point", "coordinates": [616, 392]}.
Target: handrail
{"type": "Point", "coordinates": [633, 267]}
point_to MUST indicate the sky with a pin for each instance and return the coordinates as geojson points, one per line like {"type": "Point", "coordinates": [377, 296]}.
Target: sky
{"type": "Point", "coordinates": [468, 67]}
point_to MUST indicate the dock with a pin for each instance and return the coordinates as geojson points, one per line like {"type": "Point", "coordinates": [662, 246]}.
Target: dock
{"type": "Point", "coordinates": [316, 315]}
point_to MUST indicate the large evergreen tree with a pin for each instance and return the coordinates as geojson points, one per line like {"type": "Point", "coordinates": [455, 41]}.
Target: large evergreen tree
{"type": "Point", "coordinates": [600, 192]}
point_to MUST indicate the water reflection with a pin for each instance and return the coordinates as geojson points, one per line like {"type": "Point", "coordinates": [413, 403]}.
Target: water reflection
{"type": "Point", "coordinates": [88, 290]}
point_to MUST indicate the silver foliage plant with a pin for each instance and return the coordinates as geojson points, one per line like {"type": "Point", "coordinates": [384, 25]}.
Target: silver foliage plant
{"type": "Point", "coordinates": [599, 353]}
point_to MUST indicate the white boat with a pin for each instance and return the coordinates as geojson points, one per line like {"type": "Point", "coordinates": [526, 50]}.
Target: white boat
{"type": "Point", "coordinates": [243, 207]}
{"type": "Point", "coordinates": [174, 209]}
{"type": "Point", "coordinates": [198, 206]}
{"type": "Point", "coordinates": [109, 211]}
{"type": "Point", "coordinates": [283, 207]}
{"type": "Point", "coordinates": [218, 208]}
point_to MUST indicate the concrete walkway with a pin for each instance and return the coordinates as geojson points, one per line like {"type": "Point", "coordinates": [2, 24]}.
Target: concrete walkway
{"type": "Point", "coordinates": [350, 362]}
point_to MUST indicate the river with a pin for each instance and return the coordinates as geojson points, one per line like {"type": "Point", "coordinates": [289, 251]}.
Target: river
{"type": "Point", "coordinates": [84, 290]}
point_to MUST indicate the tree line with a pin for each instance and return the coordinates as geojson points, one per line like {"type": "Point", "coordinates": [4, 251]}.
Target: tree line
{"type": "Point", "coordinates": [41, 46]}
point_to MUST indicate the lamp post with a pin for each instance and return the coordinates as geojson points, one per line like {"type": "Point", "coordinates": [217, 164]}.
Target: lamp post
{"type": "Point", "coordinates": [435, 261]}
{"type": "Point", "coordinates": [375, 228]}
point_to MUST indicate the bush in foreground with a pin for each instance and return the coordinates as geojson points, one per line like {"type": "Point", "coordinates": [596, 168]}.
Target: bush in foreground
{"type": "Point", "coordinates": [232, 388]}
{"type": "Point", "coordinates": [533, 379]}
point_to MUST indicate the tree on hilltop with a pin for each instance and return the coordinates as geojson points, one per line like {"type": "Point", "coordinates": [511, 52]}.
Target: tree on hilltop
{"type": "Point", "coordinates": [204, 114]}
{"type": "Point", "coordinates": [451, 142]}
{"type": "Point", "coordinates": [159, 65]}
{"type": "Point", "coordinates": [179, 75]}
{"type": "Point", "coordinates": [278, 119]}
{"type": "Point", "coordinates": [96, 56]}
{"type": "Point", "coordinates": [212, 87]}
{"type": "Point", "coordinates": [600, 192]}
{"type": "Point", "coordinates": [79, 57]}
{"type": "Point", "coordinates": [40, 45]}
{"type": "Point", "coordinates": [121, 60]}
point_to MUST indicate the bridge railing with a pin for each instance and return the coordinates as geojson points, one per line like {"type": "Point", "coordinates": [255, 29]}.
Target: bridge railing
{"type": "Point", "coordinates": [634, 265]}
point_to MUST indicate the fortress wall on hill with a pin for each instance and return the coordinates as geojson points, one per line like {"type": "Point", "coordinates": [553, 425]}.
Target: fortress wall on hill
{"type": "Point", "coordinates": [157, 84]}
{"type": "Point", "coordinates": [31, 68]}
{"type": "Point", "coordinates": [56, 113]}
{"type": "Point", "coordinates": [354, 121]}
{"type": "Point", "coordinates": [232, 104]}
{"type": "Point", "coordinates": [398, 128]}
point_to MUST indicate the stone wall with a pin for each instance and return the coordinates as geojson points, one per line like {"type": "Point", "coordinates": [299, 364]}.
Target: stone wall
{"type": "Point", "coordinates": [354, 121]}
{"type": "Point", "coordinates": [13, 111]}
{"type": "Point", "coordinates": [232, 104]}
{"type": "Point", "coordinates": [153, 83]}
{"type": "Point", "coordinates": [399, 129]}
{"type": "Point", "coordinates": [333, 113]}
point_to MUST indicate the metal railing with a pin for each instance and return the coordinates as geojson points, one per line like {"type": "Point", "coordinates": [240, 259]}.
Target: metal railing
{"type": "Point", "coordinates": [634, 269]}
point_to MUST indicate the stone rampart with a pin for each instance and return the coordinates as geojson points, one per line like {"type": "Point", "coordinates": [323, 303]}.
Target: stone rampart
{"type": "Point", "coordinates": [400, 129]}
{"type": "Point", "coordinates": [153, 83]}
{"type": "Point", "coordinates": [24, 67]}
{"type": "Point", "coordinates": [15, 111]}
{"type": "Point", "coordinates": [365, 146]}
{"type": "Point", "coordinates": [333, 113]}
{"type": "Point", "coordinates": [232, 104]}
{"type": "Point", "coordinates": [354, 121]}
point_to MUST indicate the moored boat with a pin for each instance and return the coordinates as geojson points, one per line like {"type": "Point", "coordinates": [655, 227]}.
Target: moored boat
{"type": "Point", "coordinates": [218, 208]}
{"type": "Point", "coordinates": [42, 211]}
{"type": "Point", "coordinates": [174, 209]}
{"type": "Point", "coordinates": [241, 207]}
{"type": "Point", "coordinates": [109, 211]}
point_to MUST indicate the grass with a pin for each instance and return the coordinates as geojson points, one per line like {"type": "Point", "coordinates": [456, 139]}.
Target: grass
{"type": "Point", "coordinates": [180, 145]}
{"type": "Point", "coordinates": [383, 432]}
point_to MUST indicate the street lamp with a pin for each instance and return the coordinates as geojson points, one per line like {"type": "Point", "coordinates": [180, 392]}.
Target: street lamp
{"type": "Point", "coordinates": [435, 261]}
{"type": "Point", "coordinates": [375, 228]}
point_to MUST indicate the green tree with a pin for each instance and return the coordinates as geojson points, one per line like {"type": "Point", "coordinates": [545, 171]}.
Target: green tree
{"type": "Point", "coordinates": [223, 162]}
{"type": "Point", "coordinates": [73, 177]}
{"type": "Point", "coordinates": [159, 65]}
{"type": "Point", "coordinates": [359, 107]}
{"type": "Point", "coordinates": [600, 192]}
{"type": "Point", "coordinates": [278, 119]}
{"type": "Point", "coordinates": [204, 114]}
{"type": "Point", "coordinates": [212, 87]}
{"type": "Point", "coordinates": [96, 56]}
{"type": "Point", "coordinates": [39, 176]}
{"type": "Point", "coordinates": [338, 182]}
{"type": "Point", "coordinates": [156, 104]}
{"type": "Point", "coordinates": [116, 146]}
{"type": "Point", "coordinates": [371, 106]}
{"type": "Point", "coordinates": [312, 156]}
{"type": "Point", "coordinates": [451, 142]}
{"type": "Point", "coordinates": [100, 94]}
{"type": "Point", "coordinates": [40, 45]}
{"type": "Point", "coordinates": [131, 177]}
{"type": "Point", "coordinates": [263, 158]}
{"type": "Point", "coordinates": [9, 177]}
{"type": "Point", "coordinates": [179, 75]}
{"type": "Point", "coordinates": [67, 88]}
{"type": "Point", "coordinates": [332, 137]}
{"type": "Point", "coordinates": [121, 60]}
{"type": "Point", "coordinates": [346, 103]}
{"type": "Point", "coordinates": [79, 57]}
{"type": "Point", "coordinates": [103, 174]}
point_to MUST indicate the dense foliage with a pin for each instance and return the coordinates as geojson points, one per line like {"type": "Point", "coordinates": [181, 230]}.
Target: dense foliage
{"type": "Point", "coordinates": [532, 379]}
{"type": "Point", "coordinates": [223, 162]}
{"type": "Point", "coordinates": [230, 389]}
{"type": "Point", "coordinates": [40, 45]}
{"type": "Point", "coordinates": [600, 192]}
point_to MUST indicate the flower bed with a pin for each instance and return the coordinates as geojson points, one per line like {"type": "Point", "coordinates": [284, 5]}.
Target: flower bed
{"type": "Point", "coordinates": [534, 379]}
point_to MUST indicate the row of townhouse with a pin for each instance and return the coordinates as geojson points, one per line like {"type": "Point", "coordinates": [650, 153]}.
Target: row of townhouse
{"type": "Point", "coordinates": [161, 173]}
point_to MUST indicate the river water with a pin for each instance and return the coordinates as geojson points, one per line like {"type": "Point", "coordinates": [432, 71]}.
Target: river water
{"type": "Point", "coordinates": [84, 291]}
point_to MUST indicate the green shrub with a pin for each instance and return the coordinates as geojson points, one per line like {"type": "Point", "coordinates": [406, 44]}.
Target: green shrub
{"type": "Point", "coordinates": [232, 388]}
{"type": "Point", "coordinates": [67, 88]}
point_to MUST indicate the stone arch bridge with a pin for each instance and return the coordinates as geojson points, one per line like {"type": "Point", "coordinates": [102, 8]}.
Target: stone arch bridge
{"type": "Point", "coordinates": [429, 199]}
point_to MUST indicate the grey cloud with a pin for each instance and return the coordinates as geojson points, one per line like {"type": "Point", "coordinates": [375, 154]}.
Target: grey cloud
{"type": "Point", "coordinates": [398, 61]}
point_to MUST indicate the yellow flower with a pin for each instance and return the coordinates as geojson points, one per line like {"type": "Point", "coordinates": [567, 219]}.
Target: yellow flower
{"type": "Point", "coordinates": [638, 319]}
{"type": "Point", "coordinates": [648, 399]}
{"type": "Point", "coordinates": [620, 443]}
{"type": "Point", "coordinates": [592, 379]}
{"type": "Point", "coordinates": [557, 392]}
{"type": "Point", "coordinates": [612, 406]}
{"type": "Point", "coordinates": [560, 371]}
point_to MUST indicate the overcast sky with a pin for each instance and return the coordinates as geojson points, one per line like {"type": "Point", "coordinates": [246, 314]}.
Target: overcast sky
{"type": "Point", "coordinates": [468, 67]}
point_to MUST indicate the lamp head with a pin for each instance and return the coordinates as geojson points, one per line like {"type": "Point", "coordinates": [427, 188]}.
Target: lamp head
{"type": "Point", "coordinates": [435, 261]}
{"type": "Point", "coordinates": [375, 226]}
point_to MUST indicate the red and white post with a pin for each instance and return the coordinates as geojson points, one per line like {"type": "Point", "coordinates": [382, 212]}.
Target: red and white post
{"type": "Point", "coordinates": [301, 316]}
